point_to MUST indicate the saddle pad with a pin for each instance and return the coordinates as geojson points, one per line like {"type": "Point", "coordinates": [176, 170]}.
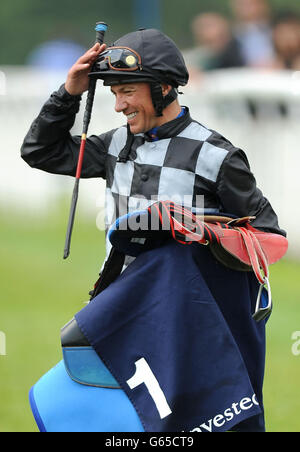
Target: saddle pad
{"type": "Point", "coordinates": [160, 332]}
{"type": "Point", "coordinates": [59, 404]}
{"type": "Point", "coordinates": [84, 366]}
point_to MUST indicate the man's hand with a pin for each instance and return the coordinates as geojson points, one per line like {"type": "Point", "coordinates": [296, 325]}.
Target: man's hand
{"type": "Point", "coordinates": [78, 81]}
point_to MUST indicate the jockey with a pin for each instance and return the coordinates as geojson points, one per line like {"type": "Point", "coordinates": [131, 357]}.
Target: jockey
{"type": "Point", "coordinates": [162, 153]}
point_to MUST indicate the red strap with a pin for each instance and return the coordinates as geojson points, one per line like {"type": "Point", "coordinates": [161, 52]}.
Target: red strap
{"type": "Point", "coordinates": [256, 255]}
{"type": "Point", "coordinates": [186, 228]}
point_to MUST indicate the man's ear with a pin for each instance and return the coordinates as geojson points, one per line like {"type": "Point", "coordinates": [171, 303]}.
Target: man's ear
{"type": "Point", "coordinates": [165, 89]}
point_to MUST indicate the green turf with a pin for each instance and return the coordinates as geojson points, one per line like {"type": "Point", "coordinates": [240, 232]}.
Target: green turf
{"type": "Point", "coordinates": [40, 292]}
{"type": "Point", "coordinates": [282, 384]}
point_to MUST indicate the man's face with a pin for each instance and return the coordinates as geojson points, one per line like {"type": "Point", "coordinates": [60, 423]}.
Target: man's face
{"type": "Point", "coordinates": [134, 100]}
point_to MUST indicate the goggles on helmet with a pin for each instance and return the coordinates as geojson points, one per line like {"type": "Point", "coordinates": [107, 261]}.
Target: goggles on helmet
{"type": "Point", "coordinates": [119, 59]}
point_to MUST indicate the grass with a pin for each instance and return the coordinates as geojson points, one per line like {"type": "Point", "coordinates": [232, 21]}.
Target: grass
{"type": "Point", "coordinates": [281, 388]}
{"type": "Point", "coordinates": [40, 292]}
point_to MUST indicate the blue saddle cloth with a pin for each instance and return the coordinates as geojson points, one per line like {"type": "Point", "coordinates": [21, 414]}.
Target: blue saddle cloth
{"type": "Point", "coordinates": [176, 332]}
{"type": "Point", "coordinates": [175, 339]}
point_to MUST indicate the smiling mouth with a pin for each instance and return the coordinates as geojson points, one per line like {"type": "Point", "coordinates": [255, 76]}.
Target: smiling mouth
{"type": "Point", "coordinates": [132, 115]}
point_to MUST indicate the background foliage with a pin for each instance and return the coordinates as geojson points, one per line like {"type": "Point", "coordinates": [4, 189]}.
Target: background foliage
{"type": "Point", "coordinates": [26, 23]}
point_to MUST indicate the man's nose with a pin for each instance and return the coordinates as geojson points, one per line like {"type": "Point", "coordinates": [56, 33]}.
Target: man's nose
{"type": "Point", "coordinates": [120, 104]}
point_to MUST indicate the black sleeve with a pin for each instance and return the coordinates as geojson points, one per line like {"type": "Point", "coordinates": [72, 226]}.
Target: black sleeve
{"type": "Point", "coordinates": [238, 193]}
{"type": "Point", "coordinates": [49, 145]}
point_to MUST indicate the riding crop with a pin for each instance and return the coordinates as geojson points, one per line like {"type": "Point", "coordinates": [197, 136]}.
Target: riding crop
{"type": "Point", "coordinates": [101, 27]}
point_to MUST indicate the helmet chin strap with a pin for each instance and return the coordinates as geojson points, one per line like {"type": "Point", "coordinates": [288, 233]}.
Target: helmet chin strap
{"type": "Point", "coordinates": [160, 102]}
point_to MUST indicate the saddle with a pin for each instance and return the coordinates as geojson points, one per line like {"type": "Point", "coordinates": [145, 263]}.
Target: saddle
{"type": "Point", "coordinates": [233, 242]}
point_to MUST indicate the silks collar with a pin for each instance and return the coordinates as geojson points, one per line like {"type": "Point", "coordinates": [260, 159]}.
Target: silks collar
{"type": "Point", "coordinates": [154, 134]}
{"type": "Point", "coordinates": [168, 130]}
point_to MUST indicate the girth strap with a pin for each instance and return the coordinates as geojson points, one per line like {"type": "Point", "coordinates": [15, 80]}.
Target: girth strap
{"type": "Point", "coordinates": [234, 242]}
{"type": "Point", "coordinates": [237, 237]}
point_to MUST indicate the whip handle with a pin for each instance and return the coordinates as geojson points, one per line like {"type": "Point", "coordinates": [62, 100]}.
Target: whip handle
{"type": "Point", "coordinates": [100, 28]}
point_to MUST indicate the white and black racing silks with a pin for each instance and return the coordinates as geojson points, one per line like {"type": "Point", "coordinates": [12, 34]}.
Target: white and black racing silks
{"type": "Point", "coordinates": [189, 163]}
{"type": "Point", "coordinates": [175, 317]}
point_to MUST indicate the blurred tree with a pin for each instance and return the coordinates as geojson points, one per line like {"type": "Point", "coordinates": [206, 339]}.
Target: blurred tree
{"type": "Point", "coordinates": [24, 24]}
{"type": "Point", "coordinates": [147, 14]}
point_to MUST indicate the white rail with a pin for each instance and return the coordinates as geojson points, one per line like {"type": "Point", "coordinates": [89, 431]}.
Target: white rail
{"type": "Point", "coordinates": [258, 111]}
